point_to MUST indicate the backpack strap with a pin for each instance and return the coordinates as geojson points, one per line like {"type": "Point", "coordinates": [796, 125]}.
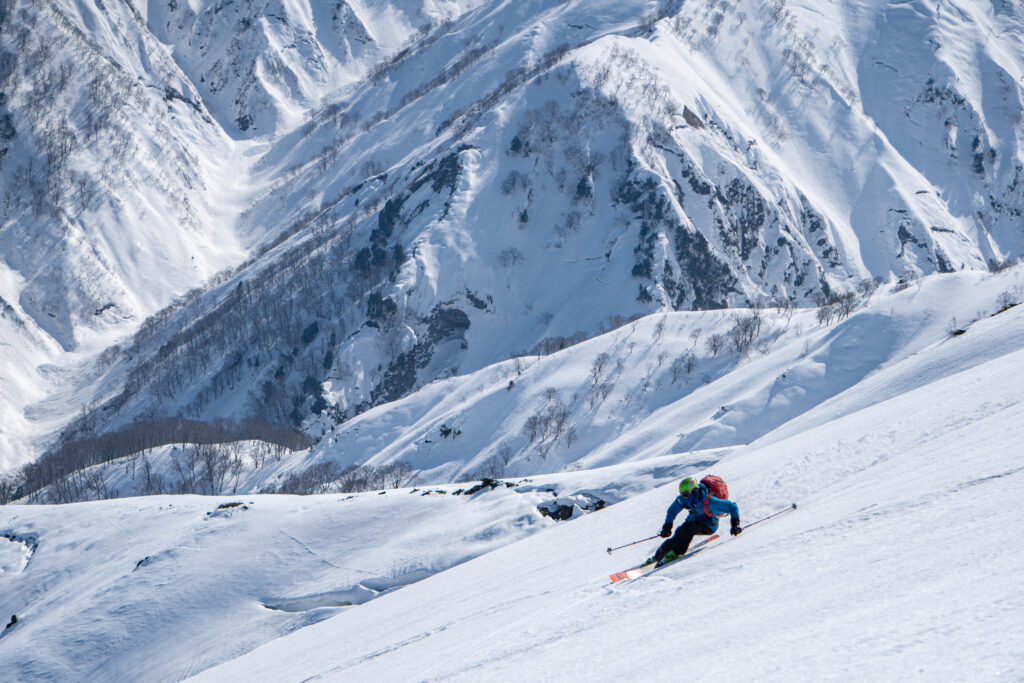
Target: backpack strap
{"type": "Point", "coordinates": [707, 509]}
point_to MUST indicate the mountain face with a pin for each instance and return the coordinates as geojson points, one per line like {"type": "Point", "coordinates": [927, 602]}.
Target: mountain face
{"type": "Point", "coordinates": [422, 190]}
{"type": "Point", "coordinates": [114, 197]}
{"type": "Point", "coordinates": [261, 64]}
{"type": "Point", "coordinates": [121, 187]}
{"type": "Point", "coordinates": [110, 168]}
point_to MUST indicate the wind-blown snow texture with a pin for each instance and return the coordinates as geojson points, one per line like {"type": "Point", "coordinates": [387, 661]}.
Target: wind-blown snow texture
{"type": "Point", "coordinates": [445, 185]}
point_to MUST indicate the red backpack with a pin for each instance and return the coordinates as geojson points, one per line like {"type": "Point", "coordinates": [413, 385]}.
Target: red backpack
{"type": "Point", "coordinates": [718, 489]}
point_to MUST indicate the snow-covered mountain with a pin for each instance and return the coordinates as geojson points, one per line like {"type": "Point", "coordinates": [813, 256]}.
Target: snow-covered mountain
{"type": "Point", "coordinates": [406, 191]}
{"type": "Point", "coordinates": [119, 192]}
{"type": "Point", "coordinates": [261, 64]}
{"type": "Point", "coordinates": [503, 264]}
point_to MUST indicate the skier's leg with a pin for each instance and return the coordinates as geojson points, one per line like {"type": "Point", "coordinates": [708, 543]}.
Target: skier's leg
{"type": "Point", "coordinates": [684, 536]}
{"type": "Point", "coordinates": [662, 550]}
{"type": "Point", "coordinates": [680, 541]}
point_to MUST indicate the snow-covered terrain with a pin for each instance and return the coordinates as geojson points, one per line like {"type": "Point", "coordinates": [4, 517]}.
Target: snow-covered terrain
{"type": "Point", "coordinates": [906, 480]}
{"type": "Point", "coordinates": [118, 195]}
{"type": "Point", "coordinates": [640, 391]}
{"type": "Point", "coordinates": [490, 277]}
{"type": "Point", "coordinates": [902, 561]}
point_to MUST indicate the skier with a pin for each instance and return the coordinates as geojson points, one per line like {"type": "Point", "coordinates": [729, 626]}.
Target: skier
{"type": "Point", "coordinates": [702, 521]}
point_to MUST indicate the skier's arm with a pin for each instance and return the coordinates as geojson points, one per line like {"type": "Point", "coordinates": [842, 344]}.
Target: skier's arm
{"type": "Point", "coordinates": [674, 509]}
{"type": "Point", "coordinates": [724, 507]}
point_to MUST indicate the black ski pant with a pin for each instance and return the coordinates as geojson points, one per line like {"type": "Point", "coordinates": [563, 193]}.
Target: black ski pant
{"type": "Point", "coordinates": [681, 539]}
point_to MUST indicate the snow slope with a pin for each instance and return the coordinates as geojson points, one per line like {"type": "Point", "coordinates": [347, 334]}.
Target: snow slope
{"type": "Point", "coordinates": [906, 480]}
{"type": "Point", "coordinates": [904, 546]}
{"type": "Point", "coordinates": [800, 374]}
{"type": "Point", "coordinates": [626, 395]}
{"type": "Point", "coordinates": [160, 587]}
{"type": "Point", "coordinates": [420, 242]}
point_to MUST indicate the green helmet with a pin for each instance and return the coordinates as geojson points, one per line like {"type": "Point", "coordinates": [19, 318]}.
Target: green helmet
{"type": "Point", "coordinates": [688, 485]}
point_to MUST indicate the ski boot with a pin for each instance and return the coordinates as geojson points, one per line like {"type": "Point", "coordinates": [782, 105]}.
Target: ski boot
{"type": "Point", "coordinates": [669, 557]}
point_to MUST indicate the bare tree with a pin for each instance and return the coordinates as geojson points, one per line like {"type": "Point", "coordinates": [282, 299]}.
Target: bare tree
{"type": "Point", "coordinates": [559, 416]}
{"type": "Point", "coordinates": [533, 428]}
{"type": "Point", "coordinates": [684, 363]}
{"type": "Point", "coordinates": [659, 329]}
{"type": "Point", "coordinates": [786, 307]}
{"type": "Point", "coordinates": [953, 329]}
{"type": "Point", "coordinates": [510, 257]}
{"type": "Point", "coordinates": [845, 304]}
{"type": "Point", "coordinates": [315, 479]}
{"type": "Point", "coordinates": [491, 468]}
{"type": "Point", "coordinates": [599, 393]}
{"type": "Point", "coordinates": [745, 330]}
{"type": "Point", "coordinates": [1008, 299]}
{"type": "Point", "coordinates": [867, 287]}
{"type": "Point", "coordinates": [505, 453]}
{"type": "Point", "coordinates": [715, 343]}
{"type": "Point", "coordinates": [152, 484]}
{"type": "Point", "coordinates": [187, 464]}
{"type": "Point", "coordinates": [598, 367]}
{"type": "Point", "coordinates": [397, 474]}
{"type": "Point", "coordinates": [216, 464]}
{"type": "Point", "coordinates": [10, 483]}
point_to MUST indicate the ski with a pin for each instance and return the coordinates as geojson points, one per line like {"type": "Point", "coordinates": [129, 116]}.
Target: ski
{"type": "Point", "coordinates": [644, 569]}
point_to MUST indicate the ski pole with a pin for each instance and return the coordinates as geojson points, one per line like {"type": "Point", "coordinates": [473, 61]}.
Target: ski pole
{"type": "Point", "coordinates": [611, 550]}
{"type": "Point", "coordinates": [774, 514]}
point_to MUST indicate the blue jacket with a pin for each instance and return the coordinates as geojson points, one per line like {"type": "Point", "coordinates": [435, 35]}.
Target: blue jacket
{"type": "Point", "coordinates": [695, 503]}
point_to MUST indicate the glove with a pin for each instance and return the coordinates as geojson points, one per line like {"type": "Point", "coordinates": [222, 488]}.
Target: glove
{"type": "Point", "coordinates": [666, 530]}
{"type": "Point", "coordinates": [736, 529]}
